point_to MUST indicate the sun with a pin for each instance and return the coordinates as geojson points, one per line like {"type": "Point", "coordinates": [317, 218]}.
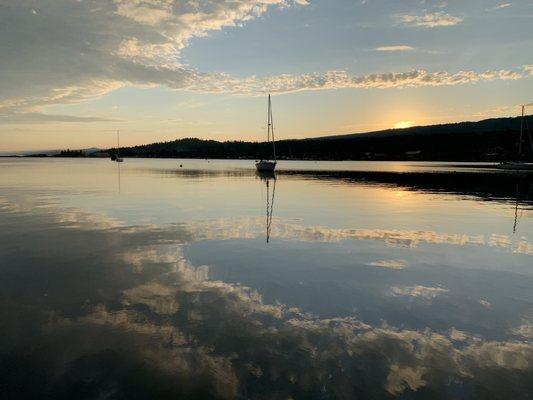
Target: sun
{"type": "Point", "coordinates": [403, 124]}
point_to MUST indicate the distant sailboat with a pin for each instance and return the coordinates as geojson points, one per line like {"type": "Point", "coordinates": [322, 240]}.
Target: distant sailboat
{"type": "Point", "coordinates": [116, 157]}
{"type": "Point", "coordinates": [268, 165]}
{"type": "Point", "coordinates": [519, 164]}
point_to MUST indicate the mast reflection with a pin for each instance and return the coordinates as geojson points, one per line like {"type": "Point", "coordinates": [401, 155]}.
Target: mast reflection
{"type": "Point", "coordinates": [517, 208]}
{"type": "Point", "coordinates": [267, 177]}
{"type": "Point", "coordinates": [118, 178]}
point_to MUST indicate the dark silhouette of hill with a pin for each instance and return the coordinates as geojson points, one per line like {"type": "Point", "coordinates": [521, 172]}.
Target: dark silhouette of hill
{"type": "Point", "coordinates": [488, 140]}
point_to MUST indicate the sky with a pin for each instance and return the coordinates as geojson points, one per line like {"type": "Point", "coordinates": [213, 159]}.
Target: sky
{"type": "Point", "coordinates": [72, 72]}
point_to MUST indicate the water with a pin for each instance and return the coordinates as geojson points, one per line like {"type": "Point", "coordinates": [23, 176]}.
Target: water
{"type": "Point", "coordinates": [335, 280]}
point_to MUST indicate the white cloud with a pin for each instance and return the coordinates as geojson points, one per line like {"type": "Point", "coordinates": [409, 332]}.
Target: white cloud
{"type": "Point", "coordinates": [429, 20]}
{"type": "Point", "coordinates": [76, 51]}
{"type": "Point", "coordinates": [72, 51]}
{"type": "Point", "coordinates": [39, 118]}
{"type": "Point", "coordinates": [395, 48]}
{"type": "Point", "coordinates": [149, 12]}
{"type": "Point", "coordinates": [342, 80]}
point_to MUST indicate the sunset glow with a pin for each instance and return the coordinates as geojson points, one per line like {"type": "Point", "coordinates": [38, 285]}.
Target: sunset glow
{"type": "Point", "coordinates": [403, 124]}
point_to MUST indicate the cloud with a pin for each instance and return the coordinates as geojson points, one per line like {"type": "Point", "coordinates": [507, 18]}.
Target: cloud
{"type": "Point", "coordinates": [40, 118]}
{"type": "Point", "coordinates": [429, 20]}
{"type": "Point", "coordinates": [69, 52]}
{"type": "Point", "coordinates": [342, 80]}
{"type": "Point", "coordinates": [395, 48]}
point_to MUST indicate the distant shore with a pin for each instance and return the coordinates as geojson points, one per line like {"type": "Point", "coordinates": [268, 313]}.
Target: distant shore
{"type": "Point", "coordinates": [491, 140]}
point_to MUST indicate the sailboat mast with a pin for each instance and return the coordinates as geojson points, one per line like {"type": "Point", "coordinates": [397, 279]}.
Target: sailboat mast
{"type": "Point", "coordinates": [521, 133]}
{"type": "Point", "coordinates": [271, 127]}
{"type": "Point", "coordinates": [118, 144]}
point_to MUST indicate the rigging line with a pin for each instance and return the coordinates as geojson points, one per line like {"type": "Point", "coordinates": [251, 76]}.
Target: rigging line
{"type": "Point", "coordinates": [118, 144]}
{"type": "Point", "coordinates": [268, 119]}
{"type": "Point", "coordinates": [272, 124]}
{"type": "Point", "coordinates": [529, 134]}
{"type": "Point", "coordinates": [521, 133]}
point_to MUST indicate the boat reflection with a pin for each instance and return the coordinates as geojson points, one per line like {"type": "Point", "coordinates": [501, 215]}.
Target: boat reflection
{"type": "Point", "coordinates": [270, 195]}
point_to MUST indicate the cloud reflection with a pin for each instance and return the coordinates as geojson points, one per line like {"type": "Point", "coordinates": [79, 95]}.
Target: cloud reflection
{"type": "Point", "coordinates": [294, 352]}
{"type": "Point", "coordinates": [253, 227]}
{"type": "Point", "coordinates": [153, 325]}
{"type": "Point", "coordinates": [418, 291]}
{"type": "Point", "coordinates": [391, 264]}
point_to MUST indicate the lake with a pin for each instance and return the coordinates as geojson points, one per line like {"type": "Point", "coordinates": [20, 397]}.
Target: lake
{"type": "Point", "coordinates": [331, 280]}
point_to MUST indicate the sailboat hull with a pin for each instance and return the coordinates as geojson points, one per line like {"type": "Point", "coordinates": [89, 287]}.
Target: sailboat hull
{"type": "Point", "coordinates": [265, 166]}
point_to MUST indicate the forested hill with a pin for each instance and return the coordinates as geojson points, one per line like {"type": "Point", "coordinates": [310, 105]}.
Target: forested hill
{"type": "Point", "coordinates": [492, 139]}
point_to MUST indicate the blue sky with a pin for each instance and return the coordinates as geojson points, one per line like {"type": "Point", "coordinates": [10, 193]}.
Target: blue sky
{"type": "Point", "coordinates": [73, 71]}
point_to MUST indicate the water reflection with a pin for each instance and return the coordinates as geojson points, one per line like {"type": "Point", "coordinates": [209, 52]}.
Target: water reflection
{"type": "Point", "coordinates": [357, 299]}
{"type": "Point", "coordinates": [489, 186]}
{"type": "Point", "coordinates": [118, 177]}
{"type": "Point", "coordinates": [150, 324]}
{"type": "Point", "coordinates": [519, 197]}
{"type": "Point", "coordinates": [267, 177]}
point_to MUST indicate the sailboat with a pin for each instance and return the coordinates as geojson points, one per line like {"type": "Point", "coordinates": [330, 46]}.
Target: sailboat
{"type": "Point", "coordinates": [116, 157]}
{"type": "Point", "coordinates": [268, 165]}
{"type": "Point", "coordinates": [520, 165]}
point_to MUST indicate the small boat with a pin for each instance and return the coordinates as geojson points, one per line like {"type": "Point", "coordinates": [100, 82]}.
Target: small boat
{"type": "Point", "coordinates": [268, 165]}
{"type": "Point", "coordinates": [116, 157]}
{"type": "Point", "coordinates": [520, 164]}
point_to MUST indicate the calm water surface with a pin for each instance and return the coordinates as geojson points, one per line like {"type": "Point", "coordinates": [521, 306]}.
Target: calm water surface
{"type": "Point", "coordinates": [147, 280]}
